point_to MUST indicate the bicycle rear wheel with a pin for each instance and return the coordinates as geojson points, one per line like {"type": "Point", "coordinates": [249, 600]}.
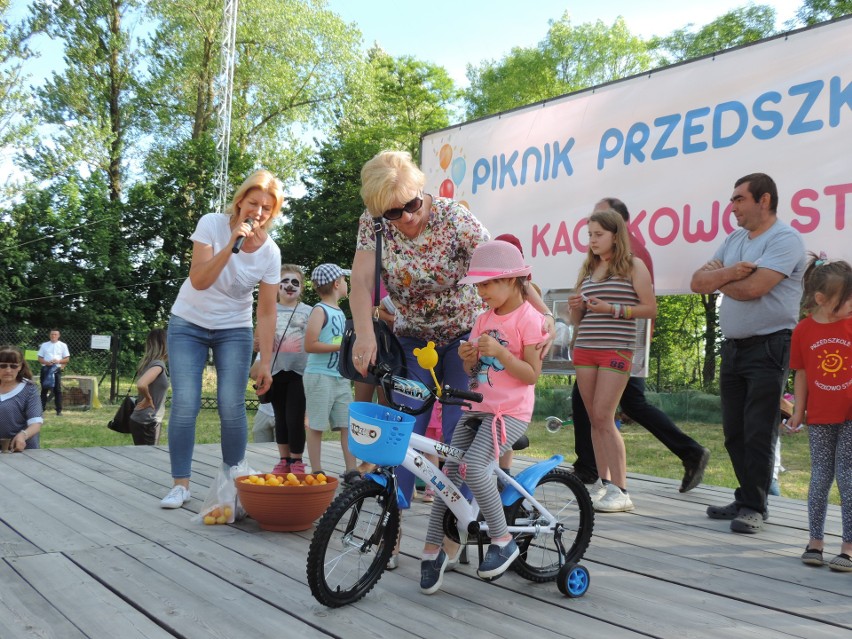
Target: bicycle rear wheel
{"type": "Point", "coordinates": [565, 497]}
{"type": "Point", "coordinates": [352, 544]}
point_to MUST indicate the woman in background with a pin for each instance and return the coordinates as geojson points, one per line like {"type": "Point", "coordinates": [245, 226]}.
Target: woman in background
{"type": "Point", "coordinates": [20, 406]}
{"type": "Point", "coordinates": [152, 382]}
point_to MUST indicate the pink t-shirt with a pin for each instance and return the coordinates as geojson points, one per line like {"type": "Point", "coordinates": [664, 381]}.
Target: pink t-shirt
{"type": "Point", "coordinates": [502, 393]}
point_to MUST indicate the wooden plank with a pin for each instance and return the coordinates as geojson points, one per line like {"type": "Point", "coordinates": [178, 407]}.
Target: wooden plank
{"type": "Point", "coordinates": [82, 600]}
{"type": "Point", "coordinates": [191, 601]}
{"type": "Point", "coordinates": [24, 612]}
{"type": "Point", "coordinates": [43, 517]}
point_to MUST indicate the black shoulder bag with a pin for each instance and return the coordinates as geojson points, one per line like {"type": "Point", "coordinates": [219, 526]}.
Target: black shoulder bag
{"type": "Point", "coordinates": [389, 353]}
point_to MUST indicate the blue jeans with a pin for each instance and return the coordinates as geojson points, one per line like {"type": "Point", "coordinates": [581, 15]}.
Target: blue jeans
{"type": "Point", "coordinates": [449, 371]}
{"type": "Point", "coordinates": [751, 381]}
{"type": "Point", "coordinates": [232, 350]}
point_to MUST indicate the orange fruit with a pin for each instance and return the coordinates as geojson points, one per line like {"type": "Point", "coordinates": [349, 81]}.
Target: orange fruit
{"type": "Point", "coordinates": [221, 520]}
{"type": "Point", "coordinates": [209, 521]}
{"type": "Point", "coordinates": [228, 511]}
{"type": "Point", "coordinates": [321, 478]}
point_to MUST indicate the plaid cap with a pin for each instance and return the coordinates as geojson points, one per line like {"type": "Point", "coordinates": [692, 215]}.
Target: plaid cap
{"type": "Point", "coordinates": [325, 273]}
{"type": "Point", "coordinates": [495, 260]}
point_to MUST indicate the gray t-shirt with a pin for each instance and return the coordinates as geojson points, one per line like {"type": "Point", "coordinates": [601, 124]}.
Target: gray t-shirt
{"type": "Point", "coordinates": [291, 349]}
{"type": "Point", "coordinates": [158, 389]}
{"type": "Point", "coordinates": [781, 249]}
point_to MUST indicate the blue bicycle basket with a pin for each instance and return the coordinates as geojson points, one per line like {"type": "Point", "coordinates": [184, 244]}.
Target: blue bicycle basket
{"type": "Point", "coordinates": [379, 434]}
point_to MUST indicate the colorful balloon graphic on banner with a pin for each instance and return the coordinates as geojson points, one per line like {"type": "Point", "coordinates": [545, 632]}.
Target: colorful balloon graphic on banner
{"type": "Point", "coordinates": [458, 170]}
{"type": "Point", "coordinates": [447, 189]}
{"type": "Point", "coordinates": [445, 155]}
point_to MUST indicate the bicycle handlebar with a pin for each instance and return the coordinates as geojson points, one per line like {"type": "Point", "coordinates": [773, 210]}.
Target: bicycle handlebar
{"type": "Point", "coordinates": [395, 385]}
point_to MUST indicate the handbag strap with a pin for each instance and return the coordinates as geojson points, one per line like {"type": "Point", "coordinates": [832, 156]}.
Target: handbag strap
{"type": "Point", "coordinates": [281, 341]}
{"type": "Point", "coordinates": [378, 226]}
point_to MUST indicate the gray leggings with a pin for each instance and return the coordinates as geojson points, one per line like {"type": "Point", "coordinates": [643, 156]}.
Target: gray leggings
{"type": "Point", "coordinates": [831, 453]}
{"type": "Point", "coordinates": [479, 446]}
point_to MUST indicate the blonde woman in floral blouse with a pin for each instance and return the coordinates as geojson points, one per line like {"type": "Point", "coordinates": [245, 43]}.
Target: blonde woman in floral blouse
{"type": "Point", "coordinates": [427, 244]}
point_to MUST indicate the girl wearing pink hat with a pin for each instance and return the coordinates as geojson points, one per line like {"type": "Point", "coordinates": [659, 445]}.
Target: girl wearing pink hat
{"type": "Point", "coordinates": [503, 363]}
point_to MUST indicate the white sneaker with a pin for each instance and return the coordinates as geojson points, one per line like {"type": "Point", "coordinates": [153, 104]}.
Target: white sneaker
{"type": "Point", "coordinates": [614, 501]}
{"type": "Point", "coordinates": [176, 498]}
{"type": "Point", "coordinates": [596, 490]}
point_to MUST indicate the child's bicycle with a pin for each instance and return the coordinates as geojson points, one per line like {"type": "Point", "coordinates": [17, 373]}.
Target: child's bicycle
{"type": "Point", "coordinates": [548, 510]}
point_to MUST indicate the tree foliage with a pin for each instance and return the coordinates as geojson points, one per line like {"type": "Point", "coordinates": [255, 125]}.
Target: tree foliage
{"type": "Point", "coordinates": [294, 59]}
{"type": "Point", "coordinates": [16, 121]}
{"type": "Point", "coordinates": [814, 11]}
{"type": "Point", "coordinates": [91, 102]}
{"type": "Point", "coordinates": [736, 27]}
{"type": "Point", "coordinates": [568, 59]}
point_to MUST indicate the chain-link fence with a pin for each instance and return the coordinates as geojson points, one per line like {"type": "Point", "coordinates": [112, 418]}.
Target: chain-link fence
{"type": "Point", "coordinates": [101, 367]}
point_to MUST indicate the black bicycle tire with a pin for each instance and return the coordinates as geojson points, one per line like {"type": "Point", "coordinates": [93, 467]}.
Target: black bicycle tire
{"type": "Point", "coordinates": [322, 590]}
{"type": "Point", "coordinates": [582, 531]}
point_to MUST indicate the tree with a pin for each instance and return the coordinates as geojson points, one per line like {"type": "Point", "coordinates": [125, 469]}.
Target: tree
{"type": "Point", "coordinates": [737, 27]}
{"type": "Point", "coordinates": [15, 106]}
{"type": "Point", "coordinates": [294, 60]}
{"type": "Point", "coordinates": [91, 103]}
{"type": "Point", "coordinates": [568, 59]}
{"type": "Point", "coordinates": [814, 11]}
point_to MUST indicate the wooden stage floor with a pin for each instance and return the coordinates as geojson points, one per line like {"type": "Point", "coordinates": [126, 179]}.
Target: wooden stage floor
{"type": "Point", "coordinates": [88, 552]}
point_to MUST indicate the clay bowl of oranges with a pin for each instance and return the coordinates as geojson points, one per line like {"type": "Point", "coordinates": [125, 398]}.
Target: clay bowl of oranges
{"type": "Point", "coordinates": [285, 502]}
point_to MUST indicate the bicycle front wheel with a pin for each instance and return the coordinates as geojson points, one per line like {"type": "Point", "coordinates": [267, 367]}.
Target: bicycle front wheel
{"type": "Point", "coordinates": [352, 544]}
{"type": "Point", "coordinates": [567, 499]}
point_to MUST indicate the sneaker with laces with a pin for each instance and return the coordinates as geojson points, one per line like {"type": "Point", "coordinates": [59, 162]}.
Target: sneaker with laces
{"type": "Point", "coordinates": [497, 560]}
{"type": "Point", "coordinates": [282, 467]}
{"type": "Point", "coordinates": [613, 501]}
{"type": "Point", "coordinates": [596, 490]}
{"type": "Point", "coordinates": [176, 498]}
{"type": "Point", "coordinates": [297, 466]}
{"type": "Point", "coordinates": [432, 573]}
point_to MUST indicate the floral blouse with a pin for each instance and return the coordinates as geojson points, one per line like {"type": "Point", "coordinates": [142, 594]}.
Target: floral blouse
{"type": "Point", "coordinates": [422, 274]}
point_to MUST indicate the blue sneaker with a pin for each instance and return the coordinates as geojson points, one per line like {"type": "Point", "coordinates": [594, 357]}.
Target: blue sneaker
{"type": "Point", "coordinates": [497, 560]}
{"type": "Point", "coordinates": [432, 573]}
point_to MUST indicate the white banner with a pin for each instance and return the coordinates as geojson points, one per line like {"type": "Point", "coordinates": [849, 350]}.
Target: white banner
{"type": "Point", "coordinates": [670, 144]}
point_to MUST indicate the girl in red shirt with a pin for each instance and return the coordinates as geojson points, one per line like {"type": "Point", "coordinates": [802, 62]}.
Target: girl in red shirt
{"type": "Point", "coordinates": [821, 354]}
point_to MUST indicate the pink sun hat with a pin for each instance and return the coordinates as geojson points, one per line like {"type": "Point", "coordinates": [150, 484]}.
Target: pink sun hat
{"type": "Point", "coordinates": [495, 260]}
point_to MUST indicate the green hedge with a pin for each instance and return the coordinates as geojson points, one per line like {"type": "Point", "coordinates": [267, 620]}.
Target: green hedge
{"type": "Point", "coordinates": [684, 406]}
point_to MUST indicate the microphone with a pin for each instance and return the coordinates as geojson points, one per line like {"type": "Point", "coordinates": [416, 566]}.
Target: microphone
{"type": "Point", "coordinates": [238, 243]}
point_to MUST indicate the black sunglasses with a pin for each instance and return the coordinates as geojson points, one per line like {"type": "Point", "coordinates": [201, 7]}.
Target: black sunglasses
{"type": "Point", "coordinates": [410, 207]}
{"type": "Point", "coordinates": [12, 366]}
{"type": "Point", "coordinates": [292, 281]}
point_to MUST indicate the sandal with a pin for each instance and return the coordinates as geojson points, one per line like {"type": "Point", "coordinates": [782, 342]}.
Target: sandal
{"type": "Point", "coordinates": [841, 563]}
{"type": "Point", "coordinates": [812, 557]}
{"type": "Point", "coordinates": [351, 476]}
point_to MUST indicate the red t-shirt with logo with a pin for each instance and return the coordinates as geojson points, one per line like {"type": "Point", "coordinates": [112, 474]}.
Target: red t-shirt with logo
{"type": "Point", "coordinates": [824, 352]}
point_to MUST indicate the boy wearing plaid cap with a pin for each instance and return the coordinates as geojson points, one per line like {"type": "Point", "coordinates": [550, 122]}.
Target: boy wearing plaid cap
{"type": "Point", "coordinates": [327, 393]}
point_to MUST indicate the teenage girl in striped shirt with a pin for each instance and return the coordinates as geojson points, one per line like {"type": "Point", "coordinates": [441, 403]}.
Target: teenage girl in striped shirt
{"type": "Point", "coordinates": [613, 290]}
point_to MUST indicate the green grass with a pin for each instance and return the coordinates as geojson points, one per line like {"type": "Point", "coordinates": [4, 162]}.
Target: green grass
{"type": "Point", "coordinates": [645, 455]}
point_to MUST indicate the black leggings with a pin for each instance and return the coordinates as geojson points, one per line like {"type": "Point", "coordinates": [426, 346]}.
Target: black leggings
{"type": "Point", "coordinates": [288, 402]}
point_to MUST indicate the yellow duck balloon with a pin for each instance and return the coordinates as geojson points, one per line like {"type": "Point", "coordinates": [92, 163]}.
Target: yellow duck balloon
{"type": "Point", "coordinates": [427, 357]}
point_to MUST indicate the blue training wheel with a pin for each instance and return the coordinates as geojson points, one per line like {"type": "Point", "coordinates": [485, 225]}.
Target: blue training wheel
{"type": "Point", "coordinates": [573, 580]}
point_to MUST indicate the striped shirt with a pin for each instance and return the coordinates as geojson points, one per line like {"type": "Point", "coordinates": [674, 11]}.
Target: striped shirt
{"type": "Point", "coordinates": [602, 330]}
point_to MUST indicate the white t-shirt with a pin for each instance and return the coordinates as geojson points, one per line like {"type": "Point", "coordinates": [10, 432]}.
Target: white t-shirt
{"type": "Point", "coordinates": [227, 303]}
{"type": "Point", "coordinates": [50, 351]}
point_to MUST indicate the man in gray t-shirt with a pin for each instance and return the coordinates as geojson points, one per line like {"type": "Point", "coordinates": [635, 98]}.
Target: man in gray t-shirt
{"type": "Point", "coordinates": [759, 270]}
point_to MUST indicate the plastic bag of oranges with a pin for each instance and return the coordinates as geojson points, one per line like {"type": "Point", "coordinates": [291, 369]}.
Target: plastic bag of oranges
{"type": "Point", "coordinates": [222, 506]}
